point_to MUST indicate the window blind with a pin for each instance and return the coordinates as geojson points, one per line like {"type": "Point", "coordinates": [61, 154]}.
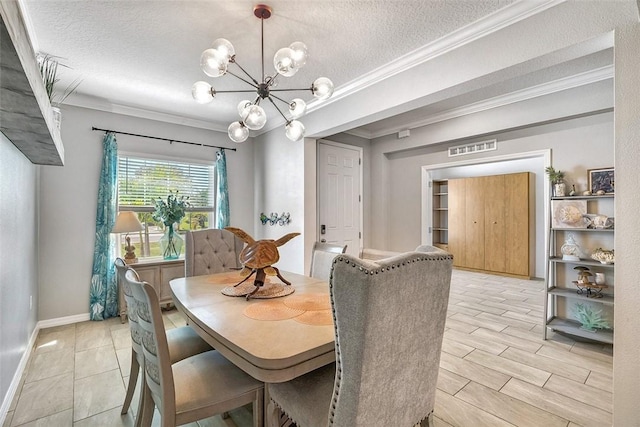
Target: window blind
{"type": "Point", "coordinates": [142, 181]}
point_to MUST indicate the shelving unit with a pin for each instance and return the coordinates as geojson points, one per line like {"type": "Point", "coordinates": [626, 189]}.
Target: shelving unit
{"type": "Point", "coordinates": [27, 117]}
{"type": "Point", "coordinates": [561, 294]}
{"type": "Point", "coordinates": [440, 225]}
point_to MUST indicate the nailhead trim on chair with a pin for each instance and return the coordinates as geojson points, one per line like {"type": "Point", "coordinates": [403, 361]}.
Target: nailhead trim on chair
{"type": "Point", "coordinates": [340, 258]}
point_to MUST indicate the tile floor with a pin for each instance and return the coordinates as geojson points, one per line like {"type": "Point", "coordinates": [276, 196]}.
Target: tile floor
{"type": "Point", "coordinates": [495, 368]}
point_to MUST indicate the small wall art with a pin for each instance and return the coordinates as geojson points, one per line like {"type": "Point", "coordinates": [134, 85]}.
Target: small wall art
{"type": "Point", "coordinates": [568, 213]}
{"type": "Point", "coordinates": [274, 218]}
{"type": "Point", "coordinates": [601, 180]}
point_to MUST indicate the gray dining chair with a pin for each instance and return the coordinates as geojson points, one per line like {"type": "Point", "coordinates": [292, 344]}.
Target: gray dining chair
{"type": "Point", "coordinates": [389, 318]}
{"type": "Point", "coordinates": [194, 388]}
{"type": "Point", "coordinates": [181, 341]}
{"type": "Point", "coordinates": [322, 256]}
{"type": "Point", "coordinates": [211, 251]}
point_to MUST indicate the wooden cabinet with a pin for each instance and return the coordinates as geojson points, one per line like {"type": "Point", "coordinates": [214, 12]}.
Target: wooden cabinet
{"type": "Point", "coordinates": [489, 223]}
{"type": "Point", "coordinates": [158, 273]}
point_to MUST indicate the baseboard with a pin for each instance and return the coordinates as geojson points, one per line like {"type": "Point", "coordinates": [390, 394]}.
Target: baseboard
{"type": "Point", "coordinates": [15, 383]}
{"type": "Point", "coordinates": [60, 321]}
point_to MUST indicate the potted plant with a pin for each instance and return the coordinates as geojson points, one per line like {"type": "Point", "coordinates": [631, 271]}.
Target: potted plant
{"type": "Point", "coordinates": [49, 70]}
{"type": "Point", "coordinates": [169, 212]}
{"type": "Point", "coordinates": [556, 177]}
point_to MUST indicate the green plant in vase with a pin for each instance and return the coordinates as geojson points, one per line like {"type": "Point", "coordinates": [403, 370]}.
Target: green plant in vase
{"type": "Point", "coordinates": [169, 212]}
{"type": "Point", "coordinates": [556, 177]}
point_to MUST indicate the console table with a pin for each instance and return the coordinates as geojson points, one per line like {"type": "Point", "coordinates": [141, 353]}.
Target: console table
{"type": "Point", "coordinates": [157, 272]}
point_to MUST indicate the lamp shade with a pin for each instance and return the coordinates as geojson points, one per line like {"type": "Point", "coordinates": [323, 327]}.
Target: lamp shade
{"type": "Point", "coordinates": [127, 222]}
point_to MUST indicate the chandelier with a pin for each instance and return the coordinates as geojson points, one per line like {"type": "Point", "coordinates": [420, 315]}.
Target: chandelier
{"type": "Point", "coordinates": [287, 61]}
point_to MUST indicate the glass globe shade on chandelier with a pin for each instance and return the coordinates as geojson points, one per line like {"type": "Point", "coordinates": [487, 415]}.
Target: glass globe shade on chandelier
{"type": "Point", "coordinates": [287, 61]}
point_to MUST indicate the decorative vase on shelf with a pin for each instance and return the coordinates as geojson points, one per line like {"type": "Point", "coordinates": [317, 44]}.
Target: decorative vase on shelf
{"type": "Point", "coordinates": [171, 243]}
{"type": "Point", "coordinates": [559, 189]}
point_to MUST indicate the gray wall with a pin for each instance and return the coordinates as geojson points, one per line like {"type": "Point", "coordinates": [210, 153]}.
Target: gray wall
{"type": "Point", "coordinates": [18, 257]}
{"type": "Point", "coordinates": [69, 196]}
{"type": "Point", "coordinates": [576, 145]}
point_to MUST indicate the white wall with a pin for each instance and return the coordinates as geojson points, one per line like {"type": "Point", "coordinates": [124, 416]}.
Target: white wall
{"type": "Point", "coordinates": [68, 196]}
{"type": "Point", "coordinates": [280, 187]}
{"type": "Point", "coordinates": [626, 375]}
{"type": "Point", "coordinates": [18, 259]}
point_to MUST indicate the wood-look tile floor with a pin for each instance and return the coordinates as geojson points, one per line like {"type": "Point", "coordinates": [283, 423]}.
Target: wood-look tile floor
{"type": "Point", "coordinates": [495, 369]}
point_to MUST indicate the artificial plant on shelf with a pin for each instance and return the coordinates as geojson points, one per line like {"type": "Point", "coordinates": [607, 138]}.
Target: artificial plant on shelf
{"type": "Point", "coordinates": [169, 212]}
{"type": "Point", "coordinates": [556, 177]}
{"type": "Point", "coordinates": [48, 65]}
{"type": "Point", "coordinates": [591, 320]}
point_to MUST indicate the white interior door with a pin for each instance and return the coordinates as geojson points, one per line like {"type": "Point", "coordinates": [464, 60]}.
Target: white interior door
{"type": "Point", "coordinates": [339, 196]}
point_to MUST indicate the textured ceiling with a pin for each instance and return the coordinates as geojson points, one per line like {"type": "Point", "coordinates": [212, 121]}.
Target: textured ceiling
{"type": "Point", "coordinates": [145, 54]}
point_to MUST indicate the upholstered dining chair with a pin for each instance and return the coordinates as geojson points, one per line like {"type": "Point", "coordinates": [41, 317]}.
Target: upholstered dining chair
{"type": "Point", "coordinates": [211, 251]}
{"type": "Point", "coordinates": [182, 341]}
{"type": "Point", "coordinates": [322, 256]}
{"type": "Point", "coordinates": [389, 318]}
{"type": "Point", "coordinates": [194, 388]}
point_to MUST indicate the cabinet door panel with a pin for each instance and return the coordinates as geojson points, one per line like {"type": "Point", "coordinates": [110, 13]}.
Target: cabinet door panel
{"type": "Point", "coordinates": [517, 224]}
{"type": "Point", "coordinates": [474, 208]}
{"type": "Point", "coordinates": [494, 223]}
{"type": "Point", "coordinates": [457, 222]}
{"type": "Point", "coordinates": [167, 274]}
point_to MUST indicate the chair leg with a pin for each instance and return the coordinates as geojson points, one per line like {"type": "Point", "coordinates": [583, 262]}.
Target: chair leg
{"type": "Point", "coordinates": [148, 407]}
{"type": "Point", "coordinates": [258, 409]}
{"type": "Point", "coordinates": [141, 400]}
{"type": "Point", "coordinates": [133, 379]}
{"type": "Point", "coordinates": [272, 415]}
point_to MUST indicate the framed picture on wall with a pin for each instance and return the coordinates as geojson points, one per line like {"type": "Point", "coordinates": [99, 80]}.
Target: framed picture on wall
{"type": "Point", "coordinates": [601, 179]}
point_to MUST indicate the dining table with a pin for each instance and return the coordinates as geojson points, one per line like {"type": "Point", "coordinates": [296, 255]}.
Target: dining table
{"type": "Point", "coordinates": [270, 348]}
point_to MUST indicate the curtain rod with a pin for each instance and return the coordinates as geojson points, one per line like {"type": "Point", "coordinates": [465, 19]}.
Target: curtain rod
{"type": "Point", "coordinates": [163, 139]}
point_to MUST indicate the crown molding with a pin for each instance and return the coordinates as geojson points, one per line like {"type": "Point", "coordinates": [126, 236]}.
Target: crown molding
{"type": "Point", "coordinates": [476, 30]}
{"type": "Point", "coordinates": [566, 83]}
{"type": "Point", "coordinates": [94, 103]}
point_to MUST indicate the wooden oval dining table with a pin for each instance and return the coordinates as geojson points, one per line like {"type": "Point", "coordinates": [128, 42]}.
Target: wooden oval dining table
{"type": "Point", "coordinates": [269, 350]}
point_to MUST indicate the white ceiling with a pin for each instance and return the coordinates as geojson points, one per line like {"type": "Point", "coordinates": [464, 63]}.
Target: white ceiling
{"type": "Point", "coordinates": [142, 57]}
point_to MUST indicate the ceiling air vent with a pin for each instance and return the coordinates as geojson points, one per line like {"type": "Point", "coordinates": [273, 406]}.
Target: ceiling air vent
{"type": "Point", "coordinates": [476, 147]}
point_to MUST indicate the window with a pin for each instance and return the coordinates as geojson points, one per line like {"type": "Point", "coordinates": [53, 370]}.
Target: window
{"type": "Point", "coordinates": [141, 181]}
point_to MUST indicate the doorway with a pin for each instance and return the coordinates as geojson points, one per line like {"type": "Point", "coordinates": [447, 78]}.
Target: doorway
{"type": "Point", "coordinates": [340, 195]}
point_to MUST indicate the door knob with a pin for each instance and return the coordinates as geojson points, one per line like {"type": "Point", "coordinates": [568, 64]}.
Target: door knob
{"type": "Point", "coordinates": [323, 240]}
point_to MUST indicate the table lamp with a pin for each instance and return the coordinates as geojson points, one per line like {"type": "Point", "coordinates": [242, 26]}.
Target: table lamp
{"type": "Point", "coordinates": [128, 222]}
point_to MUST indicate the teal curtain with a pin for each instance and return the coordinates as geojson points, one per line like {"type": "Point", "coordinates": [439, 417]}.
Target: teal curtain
{"type": "Point", "coordinates": [222, 191]}
{"type": "Point", "coordinates": [103, 294]}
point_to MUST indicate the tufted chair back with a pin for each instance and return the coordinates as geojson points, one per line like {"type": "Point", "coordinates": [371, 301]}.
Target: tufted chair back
{"type": "Point", "coordinates": [389, 318]}
{"type": "Point", "coordinates": [211, 251]}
